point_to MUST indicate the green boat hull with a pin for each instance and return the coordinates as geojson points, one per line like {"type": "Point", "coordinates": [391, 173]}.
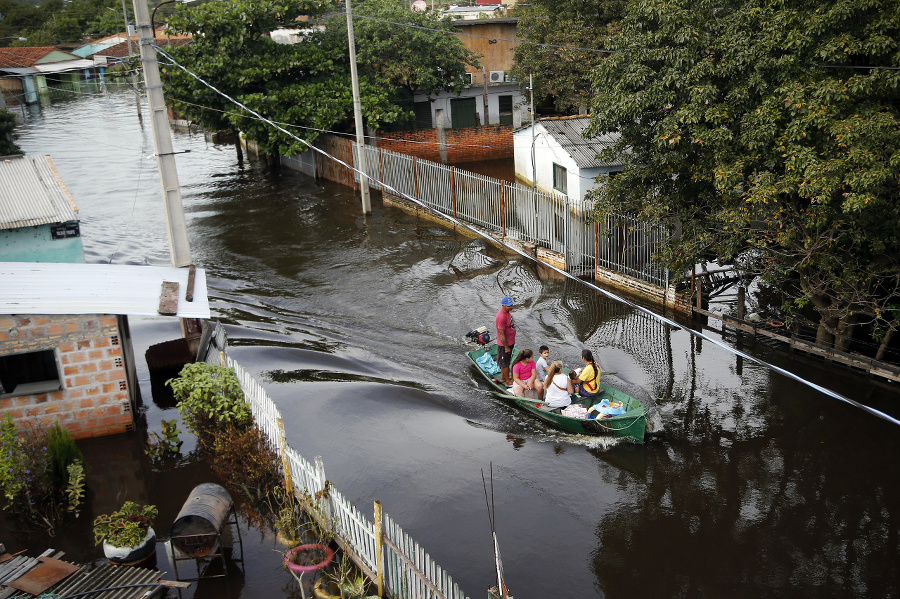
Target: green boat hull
{"type": "Point", "coordinates": [631, 424]}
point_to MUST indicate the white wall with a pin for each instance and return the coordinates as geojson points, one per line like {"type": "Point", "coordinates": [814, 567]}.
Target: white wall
{"type": "Point", "coordinates": [548, 151]}
{"type": "Point", "coordinates": [520, 111]}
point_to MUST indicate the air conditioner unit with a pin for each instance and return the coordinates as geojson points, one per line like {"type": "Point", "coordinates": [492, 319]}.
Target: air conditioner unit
{"type": "Point", "coordinates": [497, 76]}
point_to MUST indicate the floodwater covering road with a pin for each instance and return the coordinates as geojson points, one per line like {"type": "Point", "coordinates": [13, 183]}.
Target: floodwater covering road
{"type": "Point", "coordinates": [755, 486]}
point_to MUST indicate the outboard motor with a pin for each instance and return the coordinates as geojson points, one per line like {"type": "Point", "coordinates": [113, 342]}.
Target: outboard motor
{"type": "Point", "coordinates": [479, 335]}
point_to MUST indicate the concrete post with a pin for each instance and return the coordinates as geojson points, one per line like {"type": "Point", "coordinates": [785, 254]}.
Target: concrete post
{"type": "Point", "coordinates": [357, 115]}
{"type": "Point", "coordinates": [441, 134]}
{"type": "Point", "coordinates": [179, 248]}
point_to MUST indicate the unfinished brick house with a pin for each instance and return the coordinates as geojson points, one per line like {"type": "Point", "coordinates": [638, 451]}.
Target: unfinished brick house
{"type": "Point", "coordinates": [65, 345]}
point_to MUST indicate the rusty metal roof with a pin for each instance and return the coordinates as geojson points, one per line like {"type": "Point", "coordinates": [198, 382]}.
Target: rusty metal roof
{"type": "Point", "coordinates": [32, 193]}
{"type": "Point", "coordinates": [108, 581]}
{"type": "Point", "coordinates": [569, 133]}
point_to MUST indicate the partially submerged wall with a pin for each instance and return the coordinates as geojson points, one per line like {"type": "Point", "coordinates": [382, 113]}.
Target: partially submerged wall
{"type": "Point", "coordinates": [89, 396]}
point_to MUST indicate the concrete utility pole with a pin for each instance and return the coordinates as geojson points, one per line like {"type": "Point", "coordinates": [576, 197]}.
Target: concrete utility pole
{"type": "Point", "coordinates": [179, 248]}
{"type": "Point", "coordinates": [357, 115]}
{"type": "Point", "coordinates": [134, 87]}
{"type": "Point", "coordinates": [533, 123]}
{"type": "Point", "coordinates": [484, 79]}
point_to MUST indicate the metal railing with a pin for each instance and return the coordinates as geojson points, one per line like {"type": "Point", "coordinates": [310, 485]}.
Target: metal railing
{"type": "Point", "coordinates": [621, 243]}
{"type": "Point", "coordinates": [408, 571]}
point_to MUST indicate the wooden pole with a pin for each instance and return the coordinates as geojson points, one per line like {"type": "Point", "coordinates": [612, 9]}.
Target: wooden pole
{"type": "Point", "coordinates": [740, 302]}
{"type": "Point", "coordinates": [379, 549]}
{"type": "Point", "coordinates": [285, 463]}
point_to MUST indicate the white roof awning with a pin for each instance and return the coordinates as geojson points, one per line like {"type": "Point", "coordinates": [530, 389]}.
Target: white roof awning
{"type": "Point", "coordinates": [51, 288]}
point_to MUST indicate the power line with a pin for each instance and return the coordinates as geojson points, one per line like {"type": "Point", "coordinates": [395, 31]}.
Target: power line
{"type": "Point", "coordinates": [611, 295]}
{"type": "Point", "coordinates": [343, 133]}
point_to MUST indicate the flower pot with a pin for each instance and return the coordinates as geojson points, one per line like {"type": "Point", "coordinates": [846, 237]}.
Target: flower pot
{"type": "Point", "coordinates": [144, 555]}
{"type": "Point", "coordinates": [308, 558]}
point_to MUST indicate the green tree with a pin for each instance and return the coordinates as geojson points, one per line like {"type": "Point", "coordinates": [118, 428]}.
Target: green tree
{"type": "Point", "coordinates": [561, 69]}
{"type": "Point", "coordinates": [8, 124]}
{"type": "Point", "coordinates": [304, 85]}
{"type": "Point", "coordinates": [767, 134]}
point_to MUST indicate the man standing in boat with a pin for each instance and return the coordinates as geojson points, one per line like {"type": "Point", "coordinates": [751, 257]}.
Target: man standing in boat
{"type": "Point", "coordinates": [506, 338]}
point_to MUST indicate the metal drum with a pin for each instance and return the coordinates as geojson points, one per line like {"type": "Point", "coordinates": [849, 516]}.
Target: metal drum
{"type": "Point", "coordinates": [196, 530]}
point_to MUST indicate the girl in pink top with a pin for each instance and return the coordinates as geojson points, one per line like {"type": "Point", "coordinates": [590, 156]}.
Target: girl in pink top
{"type": "Point", "coordinates": [525, 383]}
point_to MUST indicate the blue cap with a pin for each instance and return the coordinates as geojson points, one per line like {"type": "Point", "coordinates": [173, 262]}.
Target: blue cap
{"type": "Point", "coordinates": [507, 301]}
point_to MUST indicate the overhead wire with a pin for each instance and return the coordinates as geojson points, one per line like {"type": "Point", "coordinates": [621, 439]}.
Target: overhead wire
{"type": "Point", "coordinates": [637, 307]}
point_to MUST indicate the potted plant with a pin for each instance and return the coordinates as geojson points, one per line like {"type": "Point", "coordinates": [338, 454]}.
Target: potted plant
{"type": "Point", "coordinates": [127, 534]}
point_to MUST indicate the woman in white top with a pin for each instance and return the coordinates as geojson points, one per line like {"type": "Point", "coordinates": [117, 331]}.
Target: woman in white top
{"type": "Point", "coordinates": [557, 387]}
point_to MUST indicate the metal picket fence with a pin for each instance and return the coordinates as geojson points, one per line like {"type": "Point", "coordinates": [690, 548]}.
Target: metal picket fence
{"type": "Point", "coordinates": [621, 243]}
{"type": "Point", "coordinates": [408, 571]}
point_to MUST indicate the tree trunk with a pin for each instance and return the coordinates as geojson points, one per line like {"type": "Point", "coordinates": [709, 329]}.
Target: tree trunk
{"type": "Point", "coordinates": [884, 344]}
{"type": "Point", "coordinates": [844, 334]}
{"type": "Point", "coordinates": [824, 336]}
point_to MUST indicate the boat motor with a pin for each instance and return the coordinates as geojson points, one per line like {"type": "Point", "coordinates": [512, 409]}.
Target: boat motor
{"type": "Point", "coordinates": [479, 335]}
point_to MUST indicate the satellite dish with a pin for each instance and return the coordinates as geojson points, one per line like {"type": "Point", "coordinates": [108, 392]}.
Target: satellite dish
{"type": "Point", "coordinates": [419, 5]}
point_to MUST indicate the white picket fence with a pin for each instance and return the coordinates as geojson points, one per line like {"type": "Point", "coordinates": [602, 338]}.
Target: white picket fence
{"type": "Point", "coordinates": [408, 570]}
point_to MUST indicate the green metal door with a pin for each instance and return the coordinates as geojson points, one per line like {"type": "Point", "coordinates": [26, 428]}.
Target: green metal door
{"type": "Point", "coordinates": [462, 113]}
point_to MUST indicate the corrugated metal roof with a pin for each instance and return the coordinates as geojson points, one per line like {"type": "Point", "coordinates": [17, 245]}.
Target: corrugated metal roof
{"type": "Point", "coordinates": [32, 193]}
{"type": "Point", "coordinates": [569, 133]}
{"type": "Point", "coordinates": [52, 288]}
{"type": "Point", "coordinates": [105, 582]}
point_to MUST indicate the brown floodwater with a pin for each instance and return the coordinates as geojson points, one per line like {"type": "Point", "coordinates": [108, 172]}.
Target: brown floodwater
{"type": "Point", "coordinates": [753, 485]}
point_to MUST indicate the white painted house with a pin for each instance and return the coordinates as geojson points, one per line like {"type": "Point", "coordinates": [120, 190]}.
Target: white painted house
{"type": "Point", "coordinates": [565, 161]}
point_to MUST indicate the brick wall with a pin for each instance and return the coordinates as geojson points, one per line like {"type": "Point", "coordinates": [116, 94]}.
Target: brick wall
{"type": "Point", "coordinates": [463, 145]}
{"type": "Point", "coordinates": [94, 399]}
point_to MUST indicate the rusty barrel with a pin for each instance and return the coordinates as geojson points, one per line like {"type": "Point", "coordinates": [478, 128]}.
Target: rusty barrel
{"type": "Point", "coordinates": [196, 530]}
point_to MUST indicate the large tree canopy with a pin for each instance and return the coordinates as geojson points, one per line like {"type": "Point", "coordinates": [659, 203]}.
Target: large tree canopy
{"type": "Point", "coordinates": [573, 30]}
{"type": "Point", "coordinates": [306, 85]}
{"type": "Point", "coordinates": [769, 131]}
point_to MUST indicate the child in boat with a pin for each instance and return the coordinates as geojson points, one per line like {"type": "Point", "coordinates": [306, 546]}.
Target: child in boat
{"type": "Point", "coordinates": [543, 363]}
{"type": "Point", "coordinates": [525, 383]}
{"type": "Point", "coordinates": [558, 388]}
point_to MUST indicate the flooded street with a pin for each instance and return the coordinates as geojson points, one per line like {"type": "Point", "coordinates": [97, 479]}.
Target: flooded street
{"type": "Point", "coordinates": [754, 486]}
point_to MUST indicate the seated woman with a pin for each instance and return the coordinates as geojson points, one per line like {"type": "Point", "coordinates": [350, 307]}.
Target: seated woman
{"type": "Point", "coordinates": [525, 383]}
{"type": "Point", "coordinates": [589, 376]}
{"type": "Point", "coordinates": [557, 387]}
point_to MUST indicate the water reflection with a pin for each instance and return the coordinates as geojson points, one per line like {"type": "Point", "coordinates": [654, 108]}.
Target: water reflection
{"type": "Point", "coordinates": [754, 486]}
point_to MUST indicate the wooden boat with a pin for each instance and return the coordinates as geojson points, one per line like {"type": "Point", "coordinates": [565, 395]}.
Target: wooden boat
{"type": "Point", "coordinates": [631, 424]}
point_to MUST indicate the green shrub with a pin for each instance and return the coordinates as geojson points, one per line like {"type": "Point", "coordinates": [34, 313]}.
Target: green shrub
{"type": "Point", "coordinates": [209, 395]}
{"type": "Point", "coordinates": [62, 452]}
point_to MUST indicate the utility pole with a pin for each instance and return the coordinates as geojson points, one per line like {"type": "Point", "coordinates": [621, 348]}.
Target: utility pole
{"type": "Point", "coordinates": [134, 87]}
{"type": "Point", "coordinates": [179, 248]}
{"type": "Point", "coordinates": [357, 115]}
{"type": "Point", "coordinates": [533, 122]}
{"type": "Point", "coordinates": [484, 79]}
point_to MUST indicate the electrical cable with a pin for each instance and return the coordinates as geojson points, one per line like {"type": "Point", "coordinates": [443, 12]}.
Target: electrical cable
{"type": "Point", "coordinates": [607, 293]}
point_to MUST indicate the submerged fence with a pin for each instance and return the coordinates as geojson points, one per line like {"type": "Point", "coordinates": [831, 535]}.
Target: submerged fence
{"type": "Point", "coordinates": [621, 243]}
{"type": "Point", "coordinates": [408, 571]}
